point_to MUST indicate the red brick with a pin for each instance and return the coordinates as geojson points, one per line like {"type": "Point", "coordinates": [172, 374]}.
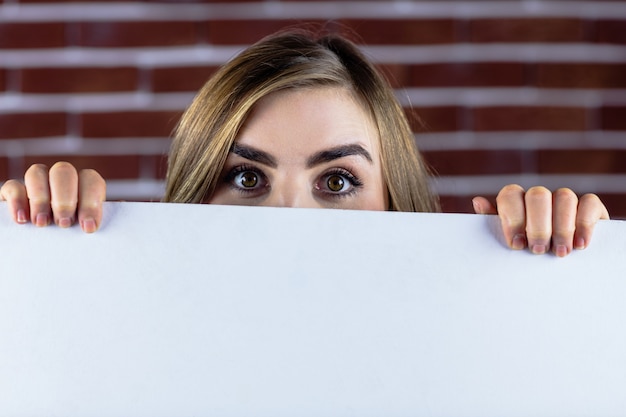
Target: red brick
{"type": "Point", "coordinates": [468, 75]}
{"type": "Point", "coordinates": [460, 204]}
{"type": "Point", "coordinates": [526, 30]}
{"type": "Point", "coordinates": [4, 168]}
{"type": "Point", "coordinates": [200, 1]}
{"type": "Point", "coordinates": [180, 78]}
{"type": "Point", "coordinates": [528, 118]}
{"type": "Point", "coordinates": [129, 124]}
{"type": "Point", "coordinates": [135, 34]}
{"type": "Point", "coordinates": [475, 162]}
{"type": "Point", "coordinates": [32, 35]}
{"type": "Point", "coordinates": [581, 75]}
{"type": "Point", "coordinates": [615, 204]}
{"type": "Point", "coordinates": [63, 1]}
{"type": "Point", "coordinates": [111, 167]}
{"type": "Point", "coordinates": [78, 80]}
{"type": "Point", "coordinates": [435, 119]}
{"type": "Point", "coordinates": [403, 32]}
{"type": "Point", "coordinates": [32, 125]}
{"type": "Point", "coordinates": [610, 31]}
{"type": "Point", "coordinates": [159, 162]}
{"type": "Point", "coordinates": [613, 117]}
{"type": "Point", "coordinates": [581, 161]}
{"type": "Point", "coordinates": [243, 32]}
{"type": "Point", "coordinates": [398, 75]}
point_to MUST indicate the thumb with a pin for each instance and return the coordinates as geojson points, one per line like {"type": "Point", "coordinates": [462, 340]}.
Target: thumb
{"type": "Point", "coordinates": [483, 206]}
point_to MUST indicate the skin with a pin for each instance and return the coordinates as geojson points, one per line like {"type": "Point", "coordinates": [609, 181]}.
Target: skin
{"type": "Point", "coordinates": [305, 149]}
{"type": "Point", "coordinates": [329, 158]}
{"type": "Point", "coordinates": [59, 194]}
{"type": "Point", "coordinates": [542, 220]}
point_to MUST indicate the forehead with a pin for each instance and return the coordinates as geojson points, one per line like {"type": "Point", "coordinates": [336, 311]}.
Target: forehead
{"type": "Point", "coordinates": [320, 115]}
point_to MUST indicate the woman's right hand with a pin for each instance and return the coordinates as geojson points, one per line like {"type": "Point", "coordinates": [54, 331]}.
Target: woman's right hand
{"type": "Point", "coordinates": [59, 194]}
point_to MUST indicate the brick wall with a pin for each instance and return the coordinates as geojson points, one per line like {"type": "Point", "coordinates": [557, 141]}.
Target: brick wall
{"type": "Point", "coordinates": [531, 92]}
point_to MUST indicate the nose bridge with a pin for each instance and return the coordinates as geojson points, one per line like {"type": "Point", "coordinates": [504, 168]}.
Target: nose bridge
{"type": "Point", "coordinates": [291, 190]}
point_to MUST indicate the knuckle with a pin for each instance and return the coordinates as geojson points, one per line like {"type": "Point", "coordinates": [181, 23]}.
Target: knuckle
{"type": "Point", "coordinates": [590, 199]}
{"type": "Point", "coordinates": [591, 205]}
{"type": "Point", "coordinates": [510, 190]}
{"type": "Point", "coordinates": [585, 224]}
{"type": "Point", "coordinates": [40, 201]}
{"type": "Point", "coordinates": [510, 201]}
{"type": "Point", "coordinates": [92, 176]}
{"type": "Point", "coordinates": [538, 234]}
{"type": "Point", "coordinates": [62, 167]}
{"type": "Point", "coordinates": [563, 234]}
{"type": "Point", "coordinates": [565, 195]}
{"type": "Point", "coordinates": [88, 172]}
{"type": "Point", "coordinates": [36, 171]}
{"type": "Point", "coordinates": [63, 206]}
{"type": "Point", "coordinates": [90, 205]}
{"type": "Point", "coordinates": [512, 221]}
{"type": "Point", "coordinates": [538, 193]}
{"type": "Point", "coordinates": [12, 184]}
{"type": "Point", "coordinates": [12, 189]}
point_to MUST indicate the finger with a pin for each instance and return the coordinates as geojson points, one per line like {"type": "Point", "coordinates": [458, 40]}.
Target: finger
{"type": "Point", "coordinates": [590, 210]}
{"type": "Point", "coordinates": [38, 191]}
{"type": "Point", "coordinates": [565, 206]}
{"type": "Point", "coordinates": [14, 193]}
{"type": "Point", "coordinates": [91, 195]}
{"type": "Point", "coordinates": [538, 219]}
{"type": "Point", "coordinates": [512, 212]}
{"type": "Point", "coordinates": [483, 206]}
{"type": "Point", "coordinates": [63, 193]}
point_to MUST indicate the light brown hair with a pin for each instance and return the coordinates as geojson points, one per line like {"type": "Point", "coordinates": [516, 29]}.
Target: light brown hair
{"type": "Point", "coordinates": [292, 59]}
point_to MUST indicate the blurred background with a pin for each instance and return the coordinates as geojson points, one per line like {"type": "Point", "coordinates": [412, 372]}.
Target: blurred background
{"type": "Point", "coordinates": [529, 92]}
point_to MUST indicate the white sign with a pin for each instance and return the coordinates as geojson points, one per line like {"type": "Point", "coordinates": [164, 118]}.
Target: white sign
{"type": "Point", "coordinates": [198, 310]}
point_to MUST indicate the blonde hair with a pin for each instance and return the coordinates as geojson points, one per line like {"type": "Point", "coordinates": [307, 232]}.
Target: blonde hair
{"type": "Point", "coordinates": [293, 59]}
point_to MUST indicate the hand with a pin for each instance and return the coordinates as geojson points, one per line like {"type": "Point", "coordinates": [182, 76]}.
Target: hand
{"type": "Point", "coordinates": [542, 220]}
{"type": "Point", "coordinates": [60, 194]}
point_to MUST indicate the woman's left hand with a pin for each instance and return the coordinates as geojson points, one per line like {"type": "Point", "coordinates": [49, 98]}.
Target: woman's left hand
{"type": "Point", "coordinates": [543, 220]}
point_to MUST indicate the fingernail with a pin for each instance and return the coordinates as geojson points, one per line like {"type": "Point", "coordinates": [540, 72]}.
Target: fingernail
{"type": "Point", "coordinates": [41, 220]}
{"type": "Point", "coordinates": [560, 251]}
{"type": "Point", "coordinates": [65, 222]}
{"type": "Point", "coordinates": [579, 243]}
{"type": "Point", "coordinates": [519, 242]}
{"type": "Point", "coordinates": [539, 249]}
{"type": "Point", "coordinates": [88, 225]}
{"type": "Point", "coordinates": [476, 207]}
{"type": "Point", "coordinates": [21, 216]}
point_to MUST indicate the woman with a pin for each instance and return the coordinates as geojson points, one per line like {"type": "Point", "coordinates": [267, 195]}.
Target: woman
{"type": "Point", "coordinates": [301, 121]}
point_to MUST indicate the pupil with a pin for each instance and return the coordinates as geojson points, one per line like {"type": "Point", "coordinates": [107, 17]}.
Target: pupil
{"type": "Point", "coordinates": [335, 183]}
{"type": "Point", "coordinates": [249, 179]}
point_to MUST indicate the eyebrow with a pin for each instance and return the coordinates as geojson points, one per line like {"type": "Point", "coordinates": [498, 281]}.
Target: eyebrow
{"type": "Point", "coordinates": [254, 155]}
{"type": "Point", "coordinates": [337, 152]}
{"type": "Point", "coordinates": [318, 158]}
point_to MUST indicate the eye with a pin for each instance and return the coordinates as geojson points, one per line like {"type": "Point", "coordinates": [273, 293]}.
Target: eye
{"type": "Point", "coordinates": [335, 183]}
{"type": "Point", "coordinates": [246, 179]}
{"type": "Point", "coordinates": [338, 183]}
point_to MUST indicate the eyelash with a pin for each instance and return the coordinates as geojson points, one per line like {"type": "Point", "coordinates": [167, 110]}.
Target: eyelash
{"type": "Point", "coordinates": [352, 179]}
{"type": "Point", "coordinates": [240, 169]}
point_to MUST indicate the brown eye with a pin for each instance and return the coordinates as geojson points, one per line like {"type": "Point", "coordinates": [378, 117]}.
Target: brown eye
{"type": "Point", "coordinates": [248, 179]}
{"type": "Point", "coordinates": [335, 183]}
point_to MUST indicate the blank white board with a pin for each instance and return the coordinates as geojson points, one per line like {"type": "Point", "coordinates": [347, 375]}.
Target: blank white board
{"type": "Point", "coordinates": [196, 310]}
